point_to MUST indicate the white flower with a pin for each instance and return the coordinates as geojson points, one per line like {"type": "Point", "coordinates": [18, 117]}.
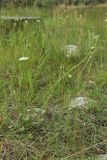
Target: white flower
{"type": "Point", "coordinates": [69, 76]}
{"type": "Point", "coordinates": [23, 58]}
{"type": "Point", "coordinates": [68, 55]}
{"type": "Point", "coordinates": [96, 37]}
{"type": "Point", "coordinates": [38, 21]}
{"type": "Point", "coordinates": [92, 48]}
{"type": "Point", "coordinates": [91, 82]}
{"type": "Point", "coordinates": [105, 20]}
{"type": "Point", "coordinates": [62, 67]}
{"type": "Point", "coordinates": [26, 22]}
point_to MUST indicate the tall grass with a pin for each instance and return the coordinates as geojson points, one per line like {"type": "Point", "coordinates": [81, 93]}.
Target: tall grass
{"type": "Point", "coordinates": [37, 122]}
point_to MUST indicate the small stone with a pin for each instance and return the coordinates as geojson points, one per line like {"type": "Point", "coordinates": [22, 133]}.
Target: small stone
{"type": "Point", "coordinates": [102, 157]}
{"type": "Point", "coordinates": [79, 102]}
{"type": "Point", "coordinates": [71, 50]}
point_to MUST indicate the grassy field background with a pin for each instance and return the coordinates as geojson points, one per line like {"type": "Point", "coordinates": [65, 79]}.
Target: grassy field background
{"type": "Point", "coordinates": [36, 121]}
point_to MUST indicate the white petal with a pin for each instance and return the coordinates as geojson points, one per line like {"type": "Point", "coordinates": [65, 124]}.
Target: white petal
{"type": "Point", "coordinates": [23, 58]}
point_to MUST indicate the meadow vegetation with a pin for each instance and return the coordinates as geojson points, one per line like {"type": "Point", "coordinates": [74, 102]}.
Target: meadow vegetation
{"type": "Point", "coordinates": [36, 120]}
{"type": "Point", "coordinates": [47, 3]}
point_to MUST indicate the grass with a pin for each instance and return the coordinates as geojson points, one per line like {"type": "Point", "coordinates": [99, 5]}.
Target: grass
{"type": "Point", "coordinates": [36, 121]}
